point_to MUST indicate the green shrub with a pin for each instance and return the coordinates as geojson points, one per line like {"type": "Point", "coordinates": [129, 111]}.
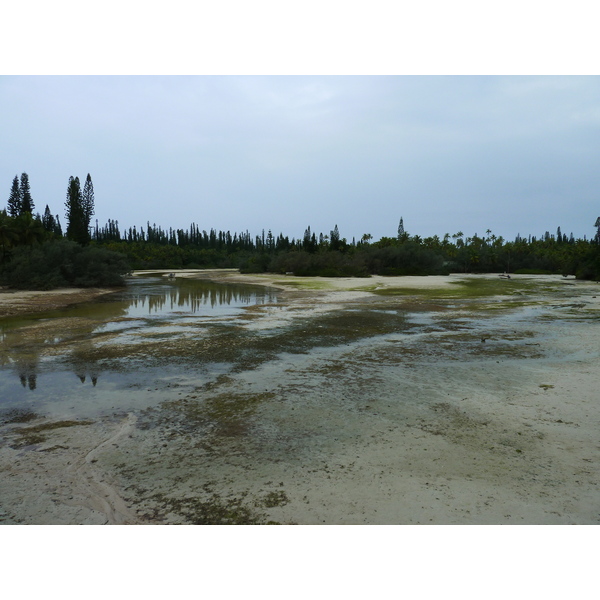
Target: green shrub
{"type": "Point", "coordinates": [589, 270]}
{"type": "Point", "coordinates": [406, 259]}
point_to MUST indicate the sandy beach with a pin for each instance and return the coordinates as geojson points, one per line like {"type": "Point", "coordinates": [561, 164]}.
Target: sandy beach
{"type": "Point", "coordinates": [432, 405]}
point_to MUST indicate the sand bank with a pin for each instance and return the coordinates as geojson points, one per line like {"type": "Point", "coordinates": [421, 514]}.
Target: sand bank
{"type": "Point", "coordinates": [21, 302]}
{"type": "Point", "coordinates": [292, 282]}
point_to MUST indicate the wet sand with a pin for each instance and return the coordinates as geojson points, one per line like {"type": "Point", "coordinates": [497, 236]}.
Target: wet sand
{"type": "Point", "coordinates": [24, 302]}
{"type": "Point", "coordinates": [484, 412]}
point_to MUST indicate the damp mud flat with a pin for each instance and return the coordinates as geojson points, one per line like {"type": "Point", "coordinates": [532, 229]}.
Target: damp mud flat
{"type": "Point", "coordinates": [20, 302]}
{"type": "Point", "coordinates": [388, 400]}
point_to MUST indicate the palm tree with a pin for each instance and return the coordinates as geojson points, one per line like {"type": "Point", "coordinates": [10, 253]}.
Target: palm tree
{"type": "Point", "coordinates": [30, 230]}
{"type": "Point", "coordinates": [458, 237]}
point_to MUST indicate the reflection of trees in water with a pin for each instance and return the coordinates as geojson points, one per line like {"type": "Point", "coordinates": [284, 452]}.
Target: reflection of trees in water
{"type": "Point", "coordinates": [82, 365]}
{"type": "Point", "coordinates": [27, 371]}
{"type": "Point", "coordinates": [195, 296]}
{"type": "Point", "coordinates": [23, 344]}
{"type": "Point", "coordinates": [28, 375]}
{"type": "Point", "coordinates": [23, 360]}
{"type": "Point", "coordinates": [20, 351]}
{"type": "Point", "coordinates": [82, 374]}
{"type": "Point", "coordinates": [23, 357]}
{"type": "Point", "coordinates": [24, 363]}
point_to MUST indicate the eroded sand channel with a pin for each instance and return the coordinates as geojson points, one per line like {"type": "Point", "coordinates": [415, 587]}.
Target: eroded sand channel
{"type": "Point", "coordinates": [343, 401]}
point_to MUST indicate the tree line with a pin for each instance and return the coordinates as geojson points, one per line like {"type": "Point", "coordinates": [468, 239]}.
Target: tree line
{"type": "Point", "coordinates": [324, 254]}
{"type": "Point", "coordinates": [20, 207]}
{"type": "Point", "coordinates": [330, 254]}
{"type": "Point", "coordinates": [34, 252]}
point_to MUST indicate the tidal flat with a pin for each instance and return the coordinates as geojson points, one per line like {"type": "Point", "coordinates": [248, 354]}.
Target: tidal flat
{"type": "Point", "coordinates": [219, 398]}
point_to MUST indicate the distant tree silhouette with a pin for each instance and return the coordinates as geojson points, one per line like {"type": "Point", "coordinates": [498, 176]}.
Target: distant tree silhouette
{"type": "Point", "coordinates": [401, 229]}
{"type": "Point", "coordinates": [76, 224]}
{"type": "Point", "coordinates": [27, 204]}
{"type": "Point", "coordinates": [51, 223]}
{"type": "Point", "coordinates": [88, 201]}
{"type": "Point", "coordinates": [334, 238]}
{"type": "Point", "coordinates": [14, 200]}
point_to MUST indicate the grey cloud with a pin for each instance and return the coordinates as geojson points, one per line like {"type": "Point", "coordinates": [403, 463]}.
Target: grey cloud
{"type": "Point", "coordinates": [517, 154]}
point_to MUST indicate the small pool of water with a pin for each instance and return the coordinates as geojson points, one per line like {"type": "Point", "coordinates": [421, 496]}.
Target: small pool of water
{"type": "Point", "coordinates": [152, 298]}
{"type": "Point", "coordinates": [57, 362]}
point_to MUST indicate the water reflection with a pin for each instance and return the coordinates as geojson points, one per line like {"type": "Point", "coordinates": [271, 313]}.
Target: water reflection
{"type": "Point", "coordinates": [92, 373]}
{"type": "Point", "coordinates": [26, 359]}
{"type": "Point", "coordinates": [28, 379]}
{"type": "Point", "coordinates": [72, 342]}
{"type": "Point", "coordinates": [196, 297]}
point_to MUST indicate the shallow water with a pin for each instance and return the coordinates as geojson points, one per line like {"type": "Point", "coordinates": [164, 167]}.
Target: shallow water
{"type": "Point", "coordinates": [89, 359]}
{"type": "Point", "coordinates": [250, 405]}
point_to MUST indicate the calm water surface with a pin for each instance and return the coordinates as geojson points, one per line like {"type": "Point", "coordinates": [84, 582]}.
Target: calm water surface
{"type": "Point", "coordinates": [90, 359]}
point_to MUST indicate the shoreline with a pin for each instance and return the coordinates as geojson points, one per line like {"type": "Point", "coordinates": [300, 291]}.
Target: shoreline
{"type": "Point", "coordinates": [15, 303]}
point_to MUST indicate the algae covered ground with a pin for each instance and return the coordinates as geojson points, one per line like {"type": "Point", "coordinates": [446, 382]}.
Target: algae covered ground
{"type": "Point", "coordinates": [378, 401]}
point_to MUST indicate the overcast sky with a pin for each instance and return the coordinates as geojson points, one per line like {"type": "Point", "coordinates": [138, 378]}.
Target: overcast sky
{"type": "Point", "coordinates": [447, 153]}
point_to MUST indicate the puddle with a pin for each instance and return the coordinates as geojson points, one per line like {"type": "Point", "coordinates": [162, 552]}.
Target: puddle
{"type": "Point", "coordinates": [106, 356]}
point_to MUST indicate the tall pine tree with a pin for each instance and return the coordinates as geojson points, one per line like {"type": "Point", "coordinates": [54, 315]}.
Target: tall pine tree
{"type": "Point", "coordinates": [76, 225]}
{"type": "Point", "coordinates": [401, 229]}
{"type": "Point", "coordinates": [58, 228]}
{"type": "Point", "coordinates": [14, 200]}
{"type": "Point", "coordinates": [88, 201]}
{"type": "Point", "coordinates": [27, 204]}
{"type": "Point", "coordinates": [48, 220]}
{"type": "Point", "coordinates": [334, 238]}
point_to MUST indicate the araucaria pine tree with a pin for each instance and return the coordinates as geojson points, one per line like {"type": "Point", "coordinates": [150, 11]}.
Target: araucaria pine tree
{"type": "Point", "coordinates": [27, 204]}
{"type": "Point", "coordinates": [334, 238]}
{"type": "Point", "coordinates": [14, 200]}
{"type": "Point", "coordinates": [88, 201]}
{"type": "Point", "coordinates": [401, 229]}
{"type": "Point", "coordinates": [77, 229]}
{"type": "Point", "coordinates": [48, 220]}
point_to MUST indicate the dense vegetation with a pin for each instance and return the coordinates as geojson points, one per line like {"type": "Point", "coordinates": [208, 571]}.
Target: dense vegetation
{"type": "Point", "coordinates": [330, 255]}
{"type": "Point", "coordinates": [62, 263]}
{"type": "Point", "coordinates": [35, 254]}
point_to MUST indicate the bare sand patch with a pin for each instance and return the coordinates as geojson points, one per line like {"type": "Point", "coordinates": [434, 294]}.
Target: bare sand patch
{"type": "Point", "coordinates": [20, 302]}
{"type": "Point", "coordinates": [293, 282]}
